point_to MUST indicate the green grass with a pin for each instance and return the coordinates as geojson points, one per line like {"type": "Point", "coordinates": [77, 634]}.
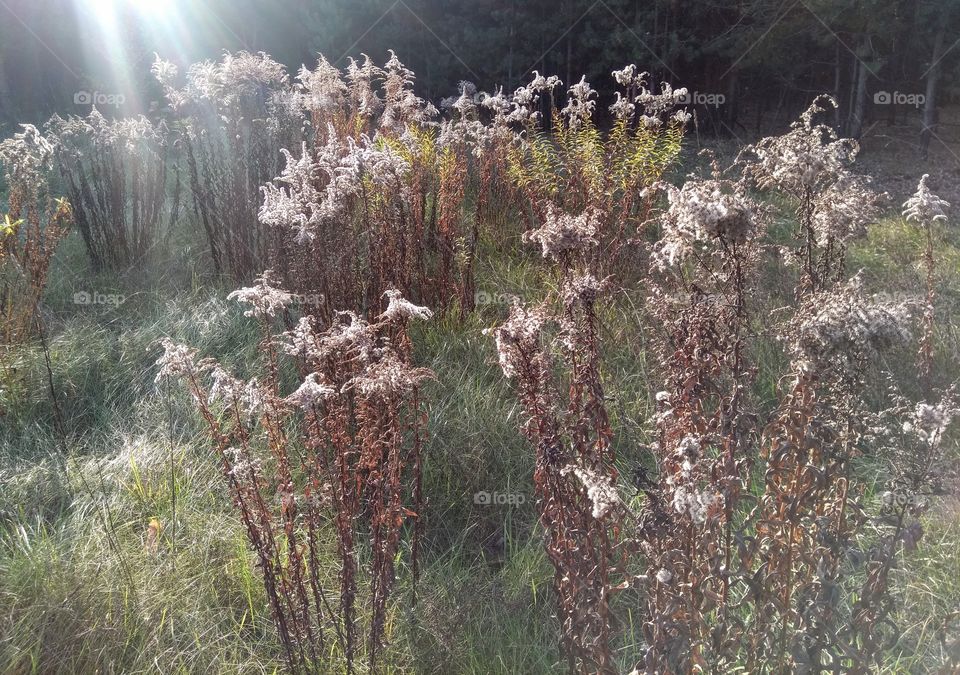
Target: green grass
{"type": "Point", "coordinates": [81, 592]}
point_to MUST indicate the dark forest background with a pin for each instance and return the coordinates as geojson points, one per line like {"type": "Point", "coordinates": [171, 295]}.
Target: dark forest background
{"type": "Point", "coordinates": [748, 62]}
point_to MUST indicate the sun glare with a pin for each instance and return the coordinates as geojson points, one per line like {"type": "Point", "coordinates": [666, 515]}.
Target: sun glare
{"type": "Point", "coordinates": [106, 11]}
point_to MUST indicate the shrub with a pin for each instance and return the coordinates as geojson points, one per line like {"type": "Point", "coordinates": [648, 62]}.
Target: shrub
{"type": "Point", "coordinates": [33, 225]}
{"type": "Point", "coordinates": [577, 205]}
{"type": "Point", "coordinates": [233, 116]}
{"type": "Point", "coordinates": [115, 173]}
{"type": "Point", "coordinates": [756, 542]}
{"type": "Point", "coordinates": [342, 452]}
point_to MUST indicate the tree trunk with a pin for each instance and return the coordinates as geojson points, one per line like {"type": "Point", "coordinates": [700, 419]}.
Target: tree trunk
{"type": "Point", "coordinates": [6, 110]}
{"type": "Point", "coordinates": [930, 102]}
{"type": "Point", "coordinates": [837, 80]}
{"type": "Point", "coordinates": [732, 99]}
{"type": "Point", "coordinates": [859, 104]}
{"type": "Point", "coordinates": [513, 22]}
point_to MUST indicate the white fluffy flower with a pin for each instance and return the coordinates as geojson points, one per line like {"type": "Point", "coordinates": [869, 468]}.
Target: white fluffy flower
{"type": "Point", "coordinates": [26, 157]}
{"type": "Point", "coordinates": [836, 328]}
{"type": "Point", "coordinates": [622, 109]}
{"type": "Point", "coordinates": [701, 211]}
{"type": "Point", "coordinates": [626, 76]}
{"type": "Point", "coordinates": [808, 157]}
{"type": "Point", "coordinates": [600, 490]}
{"type": "Point", "coordinates": [176, 360]}
{"type": "Point", "coordinates": [580, 105]}
{"type": "Point", "coordinates": [322, 88]}
{"type": "Point", "coordinates": [310, 392]}
{"type": "Point", "coordinates": [388, 376]}
{"type": "Point", "coordinates": [563, 232]}
{"type": "Point", "coordinates": [518, 338]}
{"type": "Point", "coordinates": [924, 207]}
{"type": "Point", "coordinates": [264, 299]}
{"type": "Point", "coordinates": [400, 309]}
{"type": "Point", "coordinates": [694, 503]}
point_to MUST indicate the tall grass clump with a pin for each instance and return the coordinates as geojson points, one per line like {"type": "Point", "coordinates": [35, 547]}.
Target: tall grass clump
{"type": "Point", "coordinates": [337, 459]}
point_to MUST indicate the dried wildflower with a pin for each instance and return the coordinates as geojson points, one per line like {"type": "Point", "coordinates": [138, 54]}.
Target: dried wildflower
{"type": "Point", "coordinates": [175, 361]}
{"type": "Point", "coordinates": [224, 387]}
{"type": "Point", "coordinates": [931, 421]}
{"type": "Point", "coordinates": [401, 105]}
{"type": "Point", "coordinates": [254, 398]}
{"type": "Point", "coordinates": [664, 576]}
{"type": "Point", "coordinates": [657, 106]}
{"type": "Point", "coordinates": [580, 107]}
{"type": "Point", "coordinates": [844, 209]}
{"type": "Point", "coordinates": [693, 503]}
{"type": "Point", "coordinates": [265, 300]}
{"type": "Point", "coordinates": [26, 158]}
{"type": "Point", "coordinates": [115, 175]}
{"type": "Point", "coordinates": [400, 309]}
{"type": "Point", "coordinates": [466, 103]}
{"type": "Point", "coordinates": [807, 158]}
{"type": "Point", "coordinates": [518, 337]}
{"type": "Point", "coordinates": [310, 392]}
{"type": "Point", "coordinates": [236, 76]}
{"type": "Point", "coordinates": [241, 464]}
{"type": "Point", "coordinates": [388, 376]}
{"type": "Point", "coordinates": [627, 76]}
{"type": "Point", "coordinates": [600, 490]}
{"type": "Point", "coordinates": [622, 108]}
{"type": "Point", "coordinates": [582, 288]}
{"type": "Point", "coordinates": [352, 336]}
{"type": "Point", "coordinates": [563, 233]}
{"type": "Point", "coordinates": [301, 341]}
{"type": "Point", "coordinates": [237, 114]}
{"type": "Point", "coordinates": [243, 74]}
{"type": "Point", "coordinates": [361, 78]}
{"type": "Point", "coordinates": [924, 207]}
{"type": "Point", "coordinates": [498, 104]}
{"type": "Point", "coordinates": [526, 100]}
{"type": "Point", "coordinates": [702, 211]}
{"type": "Point", "coordinates": [296, 205]}
{"type": "Point", "coordinates": [837, 328]}
{"type": "Point", "coordinates": [323, 88]}
{"type": "Point", "coordinates": [293, 200]}
{"type": "Point", "coordinates": [164, 71]}
{"type": "Point", "coordinates": [382, 165]}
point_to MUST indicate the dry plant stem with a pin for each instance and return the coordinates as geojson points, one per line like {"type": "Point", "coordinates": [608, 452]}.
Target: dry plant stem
{"type": "Point", "coordinates": [925, 353]}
